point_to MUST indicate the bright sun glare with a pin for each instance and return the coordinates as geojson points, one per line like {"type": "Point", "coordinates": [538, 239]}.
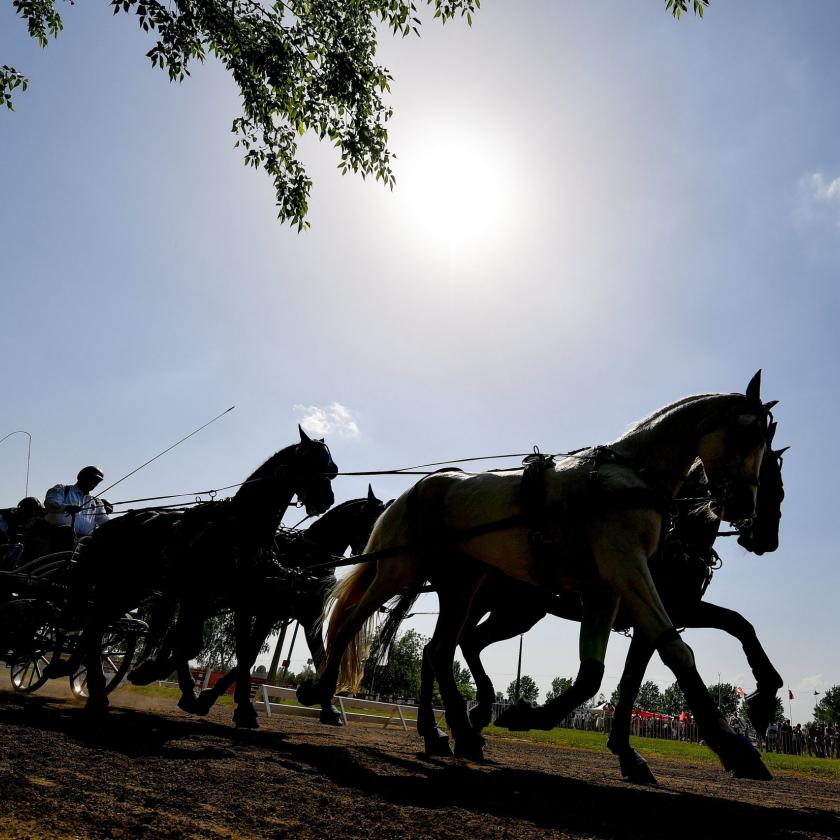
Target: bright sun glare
{"type": "Point", "coordinates": [461, 197]}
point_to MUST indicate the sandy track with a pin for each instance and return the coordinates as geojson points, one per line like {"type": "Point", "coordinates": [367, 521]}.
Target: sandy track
{"type": "Point", "coordinates": [154, 772]}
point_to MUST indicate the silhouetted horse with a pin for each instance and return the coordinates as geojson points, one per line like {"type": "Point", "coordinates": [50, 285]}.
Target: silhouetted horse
{"type": "Point", "coordinates": [286, 590]}
{"type": "Point", "coordinates": [195, 557]}
{"type": "Point", "coordinates": [605, 509]}
{"type": "Point", "coordinates": [681, 569]}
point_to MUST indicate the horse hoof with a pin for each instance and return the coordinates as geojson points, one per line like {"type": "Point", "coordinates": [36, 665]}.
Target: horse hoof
{"type": "Point", "coordinates": [523, 716]}
{"type": "Point", "coordinates": [761, 708]}
{"type": "Point", "coordinates": [96, 707]}
{"type": "Point", "coordinates": [331, 716]}
{"type": "Point", "coordinates": [635, 769]}
{"type": "Point", "coordinates": [145, 674]}
{"type": "Point", "coordinates": [515, 717]}
{"type": "Point", "coordinates": [480, 717]}
{"type": "Point", "coordinates": [437, 744]}
{"type": "Point", "coordinates": [187, 704]}
{"type": "Point", "coordinates": [472, 749]}
{"type": "Point", "coordinates": [742, 759]}
{"type": "Point", "coordinates": [203, 703]}
{"type": "Point", "coordinates": [307, 693]}
{"type": "Point", "coordinates": [245, 719]}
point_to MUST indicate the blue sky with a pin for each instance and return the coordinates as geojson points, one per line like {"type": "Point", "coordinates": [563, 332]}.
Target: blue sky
{"type": "Point", "coordinates": [598, 210]}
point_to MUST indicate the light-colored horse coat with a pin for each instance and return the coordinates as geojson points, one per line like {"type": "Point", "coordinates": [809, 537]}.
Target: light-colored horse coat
{"type": "Point", "coordinates": [605, 519]}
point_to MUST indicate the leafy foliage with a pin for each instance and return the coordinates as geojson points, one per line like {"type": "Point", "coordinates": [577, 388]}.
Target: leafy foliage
{"type": "Point", "coordinates": [219, 648]}
{"type": "Point", "coordinates": [300, 65]}
{"type": "Point", "coordinates": [726, 696]}
{"type": "Point", "coordinates": [528, 690]}
{"type": "Point", "coordinates": [400, 675]}
{"type": "Point", "coordinates": [673, 700]}
{"type": "Point", "coordinates": [827, 709]}
{"type": "Point", "coordinates": [559, 685]}
{"type": "Point", "coordinates": [679, 7]}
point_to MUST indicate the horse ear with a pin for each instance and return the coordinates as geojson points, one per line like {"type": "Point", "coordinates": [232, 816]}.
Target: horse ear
{"type": "Point", "coordinates": [779, 452]}
{"type": "Point", "coordinates": [768, 406]}
{"type": "Point", "coordinates": [304, 438]}
{"type": "Point", "coordinates": [371, 497]}
{"type": "Point", "coordinates": [754, 388]}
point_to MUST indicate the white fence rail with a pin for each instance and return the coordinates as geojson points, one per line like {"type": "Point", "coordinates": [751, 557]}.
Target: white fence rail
{"type": "Point", "coordinates": [375, 710]}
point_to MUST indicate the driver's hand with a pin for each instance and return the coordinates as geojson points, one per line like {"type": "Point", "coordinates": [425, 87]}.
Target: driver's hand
{"type": "Point", "coordinates": [109, 508]}
{"type": "Point", "coordinates": [72, 509]}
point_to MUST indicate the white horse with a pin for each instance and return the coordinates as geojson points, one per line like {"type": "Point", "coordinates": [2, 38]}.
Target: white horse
{"type": "Point", "coordinates": [605, 513]}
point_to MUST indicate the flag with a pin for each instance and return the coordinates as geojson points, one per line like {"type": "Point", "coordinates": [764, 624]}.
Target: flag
{"type": "Point", "coordinates": [740, 692]}
{"type": "Point", "coordinates": [790, 695]}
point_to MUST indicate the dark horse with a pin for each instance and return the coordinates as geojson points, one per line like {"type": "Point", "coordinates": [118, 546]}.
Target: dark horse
{"type": "Point", "coordinates": [682, 569]}
{"type": "Point", "coordinates": [605, 510]}
{"type": "Point", "coordinates": [293, 585]}
{"type": "Point", "coordinates": [195, 557]}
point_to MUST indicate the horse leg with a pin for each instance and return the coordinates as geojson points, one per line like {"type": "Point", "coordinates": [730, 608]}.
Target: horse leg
{"type": "Point", "coordinates": [97, 702]}
{"type": "Point", "coordinates": [309, 617]}
{"type": "Point", "coordinates": [633, 767]}
{"type": "Point", "coordinates": [435, 740]}
{"type": "Point", "coordinates": [599, 611]}
{"type": "Point", "coordinates": [247, 649]}
{"type": "Point", "coordinates": [761, 704]}
{"type": "Point", "coordinates": [455, 599]}
{"type": "Point", "coordinates": [188, 638]}
{"type": "Point", "coordinates": [623, 566]}
{"type": "Point", "coordinates": [503, 623]}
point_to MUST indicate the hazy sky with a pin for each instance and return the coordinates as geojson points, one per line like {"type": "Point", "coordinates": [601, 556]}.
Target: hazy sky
{"type": "Point", "coordinates": [598, 210]}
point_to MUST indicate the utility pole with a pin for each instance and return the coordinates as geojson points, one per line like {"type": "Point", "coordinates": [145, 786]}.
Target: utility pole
{"type": "Point", "coordinates": [516, 693]}
{"type": "Point", "coordinates": [288, 660]}
{"type": "Point", "coordinates": [278, 649]}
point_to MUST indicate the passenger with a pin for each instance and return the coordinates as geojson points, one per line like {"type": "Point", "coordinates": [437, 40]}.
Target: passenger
{"type": "Point", "coordinates": [17, 526]}
{"type": "Point", "coordinates": [73, 512]}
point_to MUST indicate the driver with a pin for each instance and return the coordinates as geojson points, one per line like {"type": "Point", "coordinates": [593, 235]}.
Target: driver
{"type": "Point", "coordinates": [72, 511]}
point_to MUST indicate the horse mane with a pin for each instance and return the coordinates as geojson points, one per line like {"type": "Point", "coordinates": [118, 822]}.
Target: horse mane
{"type": "Point", "coordinates": [263, 471]}
{"type": "Point", "coordinates": [649, 423]}
{"type": "Point", "coordinates": [335, 512]}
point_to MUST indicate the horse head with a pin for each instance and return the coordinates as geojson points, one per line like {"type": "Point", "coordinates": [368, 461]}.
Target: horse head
{"type": "Point", "coordinates": [368, 513]}
{"type": "Point", "coordinates": [314, 472]}
{"type": "Point", "coordinates": [731, 446]}
{"type": "Point", "coordinates": [762, 533]}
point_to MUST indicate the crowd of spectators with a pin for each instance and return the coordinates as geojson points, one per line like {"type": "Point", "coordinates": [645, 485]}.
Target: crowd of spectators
{"type": "Point", "coordinates": [819, 740]}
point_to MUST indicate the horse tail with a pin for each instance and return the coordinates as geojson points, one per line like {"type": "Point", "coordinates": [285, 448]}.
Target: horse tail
{"type": "Point", "coordinates": [390, 627]}
{"type": "Point", "coordinates": [341, 599]}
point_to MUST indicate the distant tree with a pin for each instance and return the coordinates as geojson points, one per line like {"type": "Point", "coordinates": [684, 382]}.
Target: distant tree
{"type": "Point", "coordinates": [299, 65]}
{"type": "Point", "coordinates": [827, 709]}
{"type": "Point", "coordinates": [528, 690]}
{"type": "Point", "coordinates": [463, 679]}
{"type": "Point", "coordinates": [219, 648]}
{"type": "Point", "coordinates": [726, 696]}
{"type": "Point", "coordinates": [559, 685]}
{"type": "Point", "coordinates": [400, 675]}
{"type": "Point", "coordinates": [673, 700]}
{"type": "Point", "coordinates": [649, 698]}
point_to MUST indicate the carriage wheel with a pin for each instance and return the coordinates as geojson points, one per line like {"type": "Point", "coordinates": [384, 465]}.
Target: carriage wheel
{"type": "Point", "coordinates": [29, 676]}
{"type": "Point", "coordinates": [29, 641]}
{"type": "Point", "coordinates": [117, 654]}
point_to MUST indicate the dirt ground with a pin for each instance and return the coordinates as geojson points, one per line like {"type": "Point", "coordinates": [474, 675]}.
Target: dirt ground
{"type": "Point", "coordinates": [155, 772]}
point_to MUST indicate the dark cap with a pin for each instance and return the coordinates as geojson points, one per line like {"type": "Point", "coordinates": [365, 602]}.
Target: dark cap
{"type": "Point", "coordinates": [90, 472]}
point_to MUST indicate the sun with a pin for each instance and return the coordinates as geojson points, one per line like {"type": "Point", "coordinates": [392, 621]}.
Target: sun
{"type": "Point", "coordinates": [460, 196]}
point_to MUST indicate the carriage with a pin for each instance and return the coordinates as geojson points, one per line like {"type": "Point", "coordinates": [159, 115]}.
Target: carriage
{"type": "Point", "coordinates": [41, 609]}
